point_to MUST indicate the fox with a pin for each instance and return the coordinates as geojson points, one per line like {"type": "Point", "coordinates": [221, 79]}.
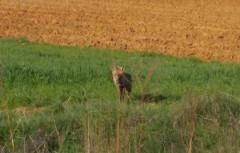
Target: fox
{"type": "Point", "coordinates": [122, 81]}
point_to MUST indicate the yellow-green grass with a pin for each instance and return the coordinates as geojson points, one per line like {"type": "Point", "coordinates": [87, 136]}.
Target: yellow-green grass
{"type": "Point", "coordinates": [68, 92]}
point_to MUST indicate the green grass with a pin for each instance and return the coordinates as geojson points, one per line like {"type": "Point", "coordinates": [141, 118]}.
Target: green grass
{"type": "Point", "coordinates": [74, 87]}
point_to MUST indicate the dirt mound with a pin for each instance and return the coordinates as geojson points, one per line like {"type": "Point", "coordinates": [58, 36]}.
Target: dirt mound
{"type": "Point", "coordinates": [205, 29]}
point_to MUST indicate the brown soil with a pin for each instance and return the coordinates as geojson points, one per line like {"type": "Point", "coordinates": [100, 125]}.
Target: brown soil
{"type": "Point", "coordinates": [208, 29]}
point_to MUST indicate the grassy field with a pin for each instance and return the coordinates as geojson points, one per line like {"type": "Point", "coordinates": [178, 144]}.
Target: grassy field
{"type": "Point", "coordinates": [62, 99]}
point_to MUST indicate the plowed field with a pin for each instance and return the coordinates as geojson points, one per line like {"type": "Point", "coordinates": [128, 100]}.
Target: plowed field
{"type": "Point", "coordinates": [206, 29]}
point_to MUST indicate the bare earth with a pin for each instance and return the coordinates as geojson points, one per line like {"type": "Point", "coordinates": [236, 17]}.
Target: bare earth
{"type": "Point", "coordinates": [207, 29]}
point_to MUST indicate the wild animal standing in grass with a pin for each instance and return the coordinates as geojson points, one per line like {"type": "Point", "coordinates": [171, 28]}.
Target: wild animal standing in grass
{"type": "Point", "coordinates": [122, 81]}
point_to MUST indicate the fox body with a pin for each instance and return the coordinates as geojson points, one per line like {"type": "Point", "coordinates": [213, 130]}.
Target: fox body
{"type": "Point", "coordinates": [122, 81]}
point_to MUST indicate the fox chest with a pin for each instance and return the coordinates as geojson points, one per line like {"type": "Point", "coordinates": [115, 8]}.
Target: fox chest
{"type": "Point", "coordinates": [116, 80]}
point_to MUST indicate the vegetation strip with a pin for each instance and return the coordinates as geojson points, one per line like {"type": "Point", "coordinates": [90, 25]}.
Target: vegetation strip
{"type": "Point", "coordinates": [177, 104]}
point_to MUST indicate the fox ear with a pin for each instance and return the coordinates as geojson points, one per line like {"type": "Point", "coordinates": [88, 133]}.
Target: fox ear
{"type": "Point", "coordinates": [122, 68]}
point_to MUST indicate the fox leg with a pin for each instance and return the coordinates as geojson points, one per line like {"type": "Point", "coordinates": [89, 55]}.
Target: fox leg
{"type": "Point", "coordinates": [119, 95]}
{"type": "Point", "coordinates": [128, 95]}
{"type": "Point", "coordinates": [122, 92]}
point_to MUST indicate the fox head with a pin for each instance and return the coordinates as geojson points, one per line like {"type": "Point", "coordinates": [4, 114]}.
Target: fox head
{"type": "Point", "coordinates": [117, 70]}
